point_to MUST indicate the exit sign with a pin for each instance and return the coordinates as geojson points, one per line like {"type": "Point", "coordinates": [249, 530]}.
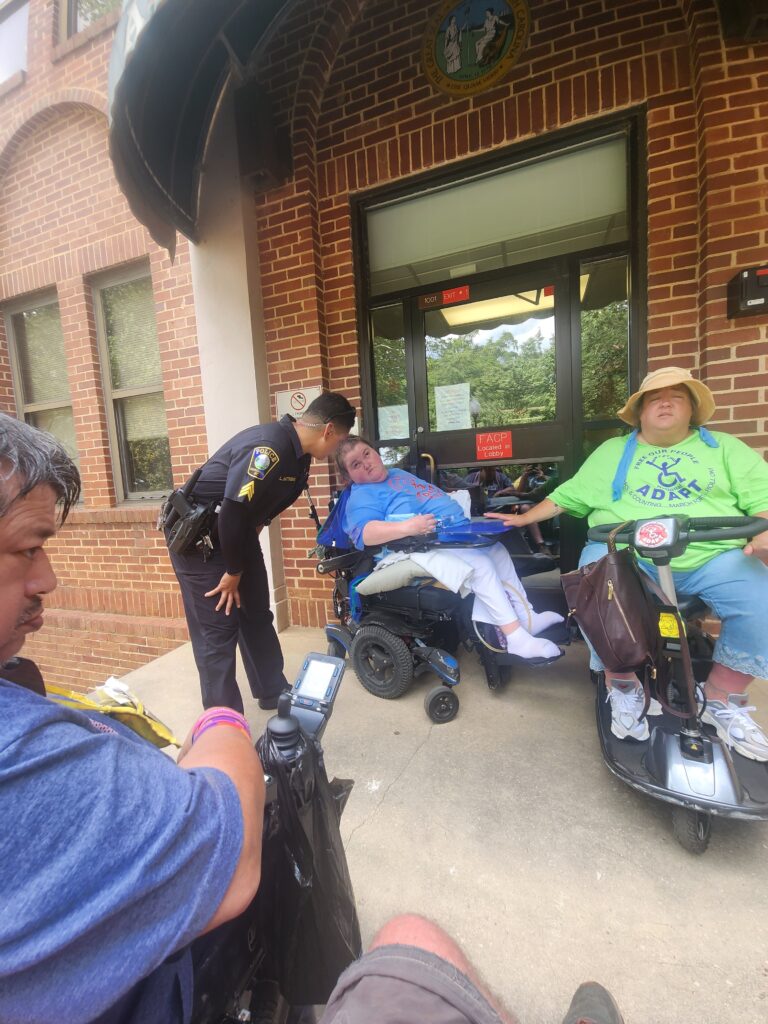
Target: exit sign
{"type": "Point", "coordinates": [449, 297]}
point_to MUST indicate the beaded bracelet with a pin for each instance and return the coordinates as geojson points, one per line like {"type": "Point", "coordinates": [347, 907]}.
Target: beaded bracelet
{"type": "Point", "coordinates": [219, 716]}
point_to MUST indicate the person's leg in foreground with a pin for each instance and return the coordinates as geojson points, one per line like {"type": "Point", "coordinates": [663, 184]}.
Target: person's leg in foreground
{"type": "Point", "coordinates": [414, 973]}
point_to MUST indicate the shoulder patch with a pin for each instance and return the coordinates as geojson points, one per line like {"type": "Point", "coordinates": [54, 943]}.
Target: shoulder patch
{"type": "Point", "coordinates": [263, 460]}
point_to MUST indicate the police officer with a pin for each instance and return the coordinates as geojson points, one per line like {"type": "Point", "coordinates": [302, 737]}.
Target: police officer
{"type": "Point", "coordinates": [252, 478]}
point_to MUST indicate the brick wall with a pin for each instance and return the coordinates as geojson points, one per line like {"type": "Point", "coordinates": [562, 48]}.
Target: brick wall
{"type": "Point", "coordinates": [346, 83]}
{"type": "Point", "coordinates": [345, 78]}
{"type": "Point", "coordinates": [63, 222]}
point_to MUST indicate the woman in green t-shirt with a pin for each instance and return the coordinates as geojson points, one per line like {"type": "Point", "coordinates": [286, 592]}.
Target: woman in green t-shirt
{"type": "Point", "coordinates": [672, 465]}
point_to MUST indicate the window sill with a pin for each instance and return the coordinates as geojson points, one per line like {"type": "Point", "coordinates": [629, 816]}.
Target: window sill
{"type": "Point", "coordinates": [17, 78]}
{"type": "Point", "coordinates": [67, 46]}
{"type": "Point", "coordinates": [126, 513]}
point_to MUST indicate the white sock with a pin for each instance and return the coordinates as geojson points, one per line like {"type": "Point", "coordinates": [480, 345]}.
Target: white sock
{"type": "Point", "coordinates": [539, 621]}
{"type": "Point", "coordinates": [534, 622]}
{"type": "Point", "coordinates": [521, 643]}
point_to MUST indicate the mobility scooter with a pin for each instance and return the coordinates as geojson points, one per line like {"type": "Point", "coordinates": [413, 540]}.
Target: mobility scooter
{"type": "Point", "coordinates": [683, 762]}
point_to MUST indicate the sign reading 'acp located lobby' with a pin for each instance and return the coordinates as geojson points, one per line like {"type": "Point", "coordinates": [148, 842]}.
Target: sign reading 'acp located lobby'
{"type": "Point", "coordinates": [495, 445]}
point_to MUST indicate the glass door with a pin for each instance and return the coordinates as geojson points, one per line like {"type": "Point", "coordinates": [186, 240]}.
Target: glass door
{"type": "Point", "coordinates": [492, 372]}
{"type": "Point", "coordinates": [505, 382]}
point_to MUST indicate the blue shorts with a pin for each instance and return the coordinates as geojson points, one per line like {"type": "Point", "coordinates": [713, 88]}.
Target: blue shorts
{"type": "Point", "coordinates": [735, 586]}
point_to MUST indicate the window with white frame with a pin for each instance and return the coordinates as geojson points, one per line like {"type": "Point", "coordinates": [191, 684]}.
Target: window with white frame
{"type": "Point", "coordinates": [14, 22]}
{"type": "Point", "coordinates": [77, 15]}
{"type": "Point", "coordinates": [40, 369]}
{"type": "Point", "coordinates": [133, 386]}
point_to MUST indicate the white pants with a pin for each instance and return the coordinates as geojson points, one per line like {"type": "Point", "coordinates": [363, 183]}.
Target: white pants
{"type": "Point", "coordinates": [493, 576]}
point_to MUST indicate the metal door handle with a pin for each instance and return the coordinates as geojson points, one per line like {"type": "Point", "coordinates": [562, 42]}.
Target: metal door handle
{"type": "Point", "coordinates": [430, 459]}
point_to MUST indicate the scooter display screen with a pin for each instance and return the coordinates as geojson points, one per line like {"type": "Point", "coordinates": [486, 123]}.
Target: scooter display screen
{"type": "Point", "coordinates": [315, 682]}
{"type": "Point", "coordinates": [318, 682]}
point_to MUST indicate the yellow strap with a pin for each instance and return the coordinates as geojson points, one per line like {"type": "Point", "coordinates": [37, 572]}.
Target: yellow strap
{"type": "Point", "coordinates": [134, 715]}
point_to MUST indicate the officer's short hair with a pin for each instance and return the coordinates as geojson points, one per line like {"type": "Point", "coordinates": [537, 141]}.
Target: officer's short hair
{"type": "Point", "coordinates": [29, 458]}
{"type": "Point", "coordinates": [331, 407]}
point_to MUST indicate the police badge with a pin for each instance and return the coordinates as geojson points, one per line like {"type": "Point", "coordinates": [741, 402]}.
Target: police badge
{"type": "Point", "coordinates": [262, 461]}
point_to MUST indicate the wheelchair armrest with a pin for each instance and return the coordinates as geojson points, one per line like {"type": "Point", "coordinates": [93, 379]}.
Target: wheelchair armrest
{"type": "Point", "coordinates": [345, 561]}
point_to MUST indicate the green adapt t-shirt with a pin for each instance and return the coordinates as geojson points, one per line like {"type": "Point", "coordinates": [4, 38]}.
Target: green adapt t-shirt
{"type": "Point", "coordinates": [686, 479]}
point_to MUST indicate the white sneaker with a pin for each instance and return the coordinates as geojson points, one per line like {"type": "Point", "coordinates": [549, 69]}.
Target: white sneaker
{"type": "Point", "coordinates": [735, 726]}
{"type": "Point", "coordinates": [627, 703]}
{"type": "Point", "coordinates": [654, 708]}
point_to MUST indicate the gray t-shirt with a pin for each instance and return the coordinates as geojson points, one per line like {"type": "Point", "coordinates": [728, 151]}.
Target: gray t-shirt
{"type": "Point", "coordinates": [113, 858]}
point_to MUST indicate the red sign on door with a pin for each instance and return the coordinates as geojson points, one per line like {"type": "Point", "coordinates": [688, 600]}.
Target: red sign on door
{"type": "Point", "coordinates": [495, 445]}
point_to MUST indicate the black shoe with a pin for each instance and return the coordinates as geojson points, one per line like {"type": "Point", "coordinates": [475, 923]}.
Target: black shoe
{"type": "Point", "coordinates": [593, 1004]}
{"type": "Point", "coordinates": [270, 703]}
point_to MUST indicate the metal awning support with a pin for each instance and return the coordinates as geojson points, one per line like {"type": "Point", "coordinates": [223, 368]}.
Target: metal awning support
{"type": "Point", "coordinates": [170, 62]}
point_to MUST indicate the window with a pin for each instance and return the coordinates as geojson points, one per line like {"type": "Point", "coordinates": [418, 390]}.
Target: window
{"type": "Point", "coordinates": [541, 208]}
{"type": "Point", "coordinates": [79, 14]}
{"type": "Point", "coordinates": [40, 371]}
{"type": "Point", "coordinates": [133, 389]}
{"type": "Point", "coordinates": [14, 19]}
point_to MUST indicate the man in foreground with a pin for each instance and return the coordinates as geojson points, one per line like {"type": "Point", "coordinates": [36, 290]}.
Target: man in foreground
{"type": "Point", "coordinates": [114, 858]}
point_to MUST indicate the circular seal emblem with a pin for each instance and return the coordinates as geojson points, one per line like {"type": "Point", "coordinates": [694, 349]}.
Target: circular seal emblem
{"type": "Point", "coordinates": [652, 535]}
{"type": "Point", "coordinates": [469, 47]}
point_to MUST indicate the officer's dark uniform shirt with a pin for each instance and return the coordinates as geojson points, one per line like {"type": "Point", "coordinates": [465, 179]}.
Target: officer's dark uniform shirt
{"type": "Point", "coordinates": [263, 469]}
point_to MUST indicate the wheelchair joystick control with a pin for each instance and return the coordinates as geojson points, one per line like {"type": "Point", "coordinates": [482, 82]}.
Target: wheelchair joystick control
{"type": "Point", "coordinates": [284, 728]}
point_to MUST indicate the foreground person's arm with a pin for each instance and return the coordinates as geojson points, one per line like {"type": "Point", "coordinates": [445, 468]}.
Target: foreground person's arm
{"type": "Point", "coordinates": [231, 751]}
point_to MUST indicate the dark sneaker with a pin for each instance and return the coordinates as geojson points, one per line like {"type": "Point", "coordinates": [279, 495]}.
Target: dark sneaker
{"type": "Point", "coordinates": [270, 703]}
{"type": "Point", "coordinates": [593, 1004]}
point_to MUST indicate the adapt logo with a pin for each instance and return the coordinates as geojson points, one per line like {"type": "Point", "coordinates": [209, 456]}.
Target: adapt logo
{"type": "Point", "coordinates": [671, 479]}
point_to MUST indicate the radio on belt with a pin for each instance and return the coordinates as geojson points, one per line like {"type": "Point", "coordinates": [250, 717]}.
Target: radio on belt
{"type": "Point", "coordinates": [748, 292]}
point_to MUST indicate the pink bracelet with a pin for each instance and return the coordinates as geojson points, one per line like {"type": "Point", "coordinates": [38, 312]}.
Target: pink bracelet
{"type": "Point", "coordinates": [219, 716]}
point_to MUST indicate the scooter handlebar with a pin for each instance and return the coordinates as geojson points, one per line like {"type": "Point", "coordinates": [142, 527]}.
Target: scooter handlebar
{"type": "Point", "coordinates": [706, 528]}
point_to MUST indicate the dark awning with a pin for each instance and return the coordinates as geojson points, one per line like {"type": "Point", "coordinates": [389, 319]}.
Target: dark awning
{"type": "Point", "coordinates": [170, 62]}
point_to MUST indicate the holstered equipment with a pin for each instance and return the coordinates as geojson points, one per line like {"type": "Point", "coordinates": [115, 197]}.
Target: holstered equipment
{"type": "Point", "coordinates": [187, 525]}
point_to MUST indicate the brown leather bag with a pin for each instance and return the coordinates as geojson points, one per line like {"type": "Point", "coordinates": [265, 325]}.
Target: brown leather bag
{"type": "Point", "coordinates": [612, 604]}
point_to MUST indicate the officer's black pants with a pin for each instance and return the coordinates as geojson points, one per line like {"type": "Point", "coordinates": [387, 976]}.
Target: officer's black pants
{"type": "Point", "coordinates": [215, 635]}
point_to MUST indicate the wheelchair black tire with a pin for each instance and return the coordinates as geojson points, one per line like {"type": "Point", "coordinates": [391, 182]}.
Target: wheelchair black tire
{"type": "Point", "coordinates": [336, 649]}
{"type": "Point", "coordinates": [382, 662]}
{"type": "Point", "coordinates": [692, 829]}
{"type": "Point", "coordinates": [441, 704]}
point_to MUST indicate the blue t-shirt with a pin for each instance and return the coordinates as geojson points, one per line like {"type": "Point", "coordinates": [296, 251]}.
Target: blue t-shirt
{"type": "Point", "coordinates": [113, 858]}
{"type": "Point", "coordinates": [400, 494]}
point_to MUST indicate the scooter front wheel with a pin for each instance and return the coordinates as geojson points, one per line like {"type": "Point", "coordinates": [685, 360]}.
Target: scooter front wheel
{"type": "Point", "coordinates": [693, 829]}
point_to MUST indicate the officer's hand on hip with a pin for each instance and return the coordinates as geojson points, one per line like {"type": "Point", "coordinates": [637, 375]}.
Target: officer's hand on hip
{"type": "Point", "coordinates": [227, 587]}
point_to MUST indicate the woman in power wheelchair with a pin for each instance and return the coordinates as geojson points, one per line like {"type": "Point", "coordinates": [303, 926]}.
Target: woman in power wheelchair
{"type": "Point", "coordinates": [394, 621]}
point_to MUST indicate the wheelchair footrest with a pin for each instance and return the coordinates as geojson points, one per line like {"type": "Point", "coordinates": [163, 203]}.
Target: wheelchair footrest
{"type": "Point", "coordinates": [515, 659]}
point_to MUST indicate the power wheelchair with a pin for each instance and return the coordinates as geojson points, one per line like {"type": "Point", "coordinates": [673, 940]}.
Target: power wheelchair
{"type": "Point", "coordinates": [398, 623]}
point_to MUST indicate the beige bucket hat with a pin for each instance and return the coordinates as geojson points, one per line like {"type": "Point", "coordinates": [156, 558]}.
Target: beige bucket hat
{"type": "Point", "coordinates": [667, 377]}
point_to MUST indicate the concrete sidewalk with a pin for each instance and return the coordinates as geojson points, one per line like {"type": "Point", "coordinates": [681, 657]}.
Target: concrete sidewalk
{"type": "Point", "coordinates": [506, 828]}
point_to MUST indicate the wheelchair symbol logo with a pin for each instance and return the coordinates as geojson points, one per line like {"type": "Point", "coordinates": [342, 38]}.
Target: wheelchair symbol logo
{"type": "Point", "coordinates": [667, 478]}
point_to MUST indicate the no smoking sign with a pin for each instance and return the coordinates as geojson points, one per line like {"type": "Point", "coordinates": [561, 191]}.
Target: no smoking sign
{"type": "Point", "coordinates": [295, 402]}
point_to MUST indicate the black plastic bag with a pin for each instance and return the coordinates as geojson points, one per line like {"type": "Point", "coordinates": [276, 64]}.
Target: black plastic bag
{"type": "Point", "coordinates": [305, 903]}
